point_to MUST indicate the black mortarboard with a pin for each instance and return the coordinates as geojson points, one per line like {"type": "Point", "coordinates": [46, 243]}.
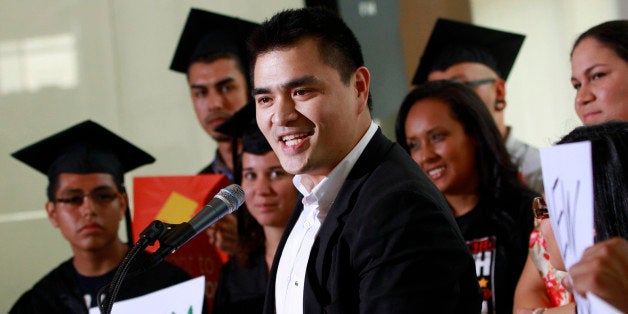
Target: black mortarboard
{"type": "Point", "coordinates": [206, 33]}
{"type": "Point", "coordinates": [84, 148]}
{"type": "Point", "coordinates": [453, 42]}
{"type": "Point", "coordinates": [243, 125]}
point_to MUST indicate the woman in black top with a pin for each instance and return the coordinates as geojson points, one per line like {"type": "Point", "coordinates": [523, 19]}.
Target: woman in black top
{"type": "Point", "coordinates": [270, 199]}
{"type": "Point", "coordinates": [449, 132]}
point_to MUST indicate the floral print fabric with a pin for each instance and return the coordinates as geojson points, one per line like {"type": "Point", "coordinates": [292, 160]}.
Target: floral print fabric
{"type": "Point", "coordinates": [552, 277]}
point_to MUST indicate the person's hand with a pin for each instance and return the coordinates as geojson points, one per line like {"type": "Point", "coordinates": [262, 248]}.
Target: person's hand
{"type": "Point", "coordinates": [603, 271]}
{"type": "Point", "coordinates": [224, 234]}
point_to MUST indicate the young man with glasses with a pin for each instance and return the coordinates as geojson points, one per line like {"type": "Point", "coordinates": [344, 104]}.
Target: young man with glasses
{"type": "Point", "coordinates": [481, 58]}
{"type": "Point", "coordinates": [85, 165]}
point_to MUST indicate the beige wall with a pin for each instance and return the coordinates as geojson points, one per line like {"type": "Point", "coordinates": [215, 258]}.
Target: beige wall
{"type": "Point", "coordinates": [416, 18]}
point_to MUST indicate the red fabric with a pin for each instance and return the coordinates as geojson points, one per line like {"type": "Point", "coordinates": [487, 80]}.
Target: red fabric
{"type": "Point", "coordinates": [150, 197]}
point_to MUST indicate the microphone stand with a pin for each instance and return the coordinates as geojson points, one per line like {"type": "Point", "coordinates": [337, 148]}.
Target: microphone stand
{"type": "Point", "coordinates": [155, 231]}
{"type": "Point", "coordinates": [171, 237]}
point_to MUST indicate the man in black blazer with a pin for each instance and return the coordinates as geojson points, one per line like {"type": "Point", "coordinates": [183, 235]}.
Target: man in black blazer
{"type": "Point", "coordinates": [370, 233]}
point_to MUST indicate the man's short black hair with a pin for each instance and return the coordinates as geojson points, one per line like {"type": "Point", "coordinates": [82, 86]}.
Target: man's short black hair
{"type": "Point", "coordinates": [201, 57]}
{"type": "Point", "coordinates": [337, 45]}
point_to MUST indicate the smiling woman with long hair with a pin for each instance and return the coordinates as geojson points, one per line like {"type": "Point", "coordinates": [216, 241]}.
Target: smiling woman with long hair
{"type": "Point", "coordinates": [448, 131]}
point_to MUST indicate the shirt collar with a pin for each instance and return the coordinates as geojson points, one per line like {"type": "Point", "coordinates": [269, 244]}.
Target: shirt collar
{"type": "Point", "coordinates": [219, 166]}
{"type": "Point", "coordinates": [326, 191]}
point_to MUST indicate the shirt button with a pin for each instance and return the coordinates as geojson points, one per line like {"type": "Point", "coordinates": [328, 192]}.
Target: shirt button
{"type": "Point", "coordinates": [307, 224]}
{"type": "Point", "coordinates": [296, 283]}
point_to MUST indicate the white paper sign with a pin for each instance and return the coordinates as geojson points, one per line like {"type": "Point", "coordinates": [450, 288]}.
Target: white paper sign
{"type": "Point", "coordinates": [568, 181]}
{"type": "Point", "coordinates": [183, 298]}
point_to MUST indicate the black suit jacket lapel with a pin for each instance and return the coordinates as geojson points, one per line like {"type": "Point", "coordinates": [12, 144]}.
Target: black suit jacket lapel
{"type": "Point", "coordinates": [370, 158]}
{"type": "Point", "coordinates": [343, 205]}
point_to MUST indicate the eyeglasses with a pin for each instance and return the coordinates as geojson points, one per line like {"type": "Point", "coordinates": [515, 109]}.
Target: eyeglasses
{"type": "Point", "coordinates": [478, 82]}
{"type": "Point", "coordinates": [98, 197]}
{"type": "Point", "coordinates": [539, 208]}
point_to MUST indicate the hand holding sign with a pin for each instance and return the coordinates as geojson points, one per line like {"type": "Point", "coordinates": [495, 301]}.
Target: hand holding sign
{"type": "Point", "coordinates": [568, 177]}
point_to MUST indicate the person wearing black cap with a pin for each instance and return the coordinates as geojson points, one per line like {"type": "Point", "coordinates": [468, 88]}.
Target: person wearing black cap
{"type": "Point", "coordinates": [449, 132]}
{"type": "Point", "coordinates": [212, 53]}
{"type": "Point", "coordinates": [370, 232]}
{"type": "Point", "coordinates": [85, 165]}
{"type": "Point", "coordinates": [270, 198]}
{"type": "Point", "coordinates": [481, 58]}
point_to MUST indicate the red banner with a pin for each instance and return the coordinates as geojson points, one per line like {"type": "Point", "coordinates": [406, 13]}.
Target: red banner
{"type": "Point", "coordinates": [176, 199]}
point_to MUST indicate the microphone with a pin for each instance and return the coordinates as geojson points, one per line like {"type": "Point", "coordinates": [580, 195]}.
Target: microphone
{"type": "Point", "coordinates": [225, 202]}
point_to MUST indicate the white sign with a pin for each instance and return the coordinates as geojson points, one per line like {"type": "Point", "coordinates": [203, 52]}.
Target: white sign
{"type": "Point", "coordinates": [568, 180]}
{"type": "Point", "coordinates": [183, 298]}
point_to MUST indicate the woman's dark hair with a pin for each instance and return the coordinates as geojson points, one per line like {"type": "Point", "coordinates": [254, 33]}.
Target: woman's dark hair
{"type": "Point", "coordinates": [613, 34]}
{"type": "Point", "coordinates": [609, 148]}
{"type": "Point", "coordinates": [497, 175]}
{"type": "Point", "coordinates": [251, 240]}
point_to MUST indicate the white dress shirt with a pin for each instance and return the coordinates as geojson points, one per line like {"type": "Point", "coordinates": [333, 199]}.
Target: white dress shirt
{"type": "Point", "coordinates": [316, 204]}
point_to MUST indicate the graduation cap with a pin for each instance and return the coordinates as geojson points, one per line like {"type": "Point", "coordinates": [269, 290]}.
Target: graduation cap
{"type": "Point", "coordinates": [206, 33]}
{"type": "Point", "coordinates": [85, 148]}
{"type": "Point", "coordinates": [453, 42]}
{"type": "Point", "coordinates": [243, 125]}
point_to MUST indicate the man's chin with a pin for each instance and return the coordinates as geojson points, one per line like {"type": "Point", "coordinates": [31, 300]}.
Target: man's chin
{"type": "Point", "coordinates": [220, 138]}
{"type": "Point", "coordinates": [217, 136]}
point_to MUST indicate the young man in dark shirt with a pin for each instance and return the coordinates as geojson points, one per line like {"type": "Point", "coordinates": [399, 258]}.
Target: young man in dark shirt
{"type": "Point", "coordinates": [85, 165]}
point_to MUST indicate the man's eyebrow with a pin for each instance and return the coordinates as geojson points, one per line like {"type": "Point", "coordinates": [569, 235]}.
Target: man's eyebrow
{"type": "Point", "coordinates": [218, 83]}
{"type": "Point", "coordinates": [79, 190]}
{"type": "Point", "coordinates": [197, 86]}
{"type": "Point", "coordinates": [224, 81]}
{"type": "Point", "coordinates": [299, 81]}
{"type": "Point", "coordinates": [259, 91]}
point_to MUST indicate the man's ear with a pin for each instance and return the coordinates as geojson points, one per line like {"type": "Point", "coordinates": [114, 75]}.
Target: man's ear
{"type": "Point", "coordinates": [124, 202]}
{"type": "Point", "coordinates": [52, 214]}
{"type": "Point", "coordinates": [362, 84]}
{"type": "Point", "coordinates": [500, 90]}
